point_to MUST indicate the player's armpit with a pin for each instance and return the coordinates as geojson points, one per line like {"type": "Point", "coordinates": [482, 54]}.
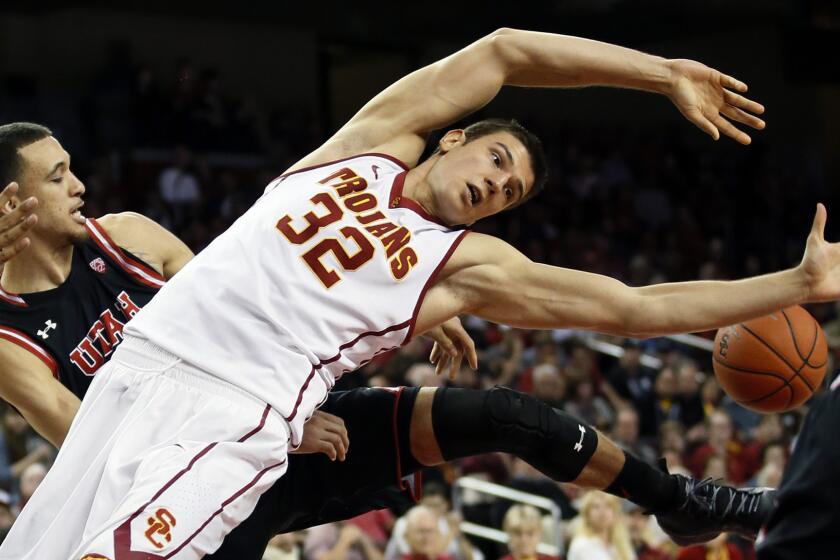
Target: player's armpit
{"type": "Point", "coordinates": [28, 384]}
{"type": "Point", "coordinates": [147, 240]}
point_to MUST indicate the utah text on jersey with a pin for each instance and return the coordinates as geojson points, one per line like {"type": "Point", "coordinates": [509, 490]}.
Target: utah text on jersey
{"type": "Point", "coordinates": [103, 336]}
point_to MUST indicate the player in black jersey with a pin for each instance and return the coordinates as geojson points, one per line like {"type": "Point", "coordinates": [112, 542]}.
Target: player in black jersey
{"type": "Point", "coordinates": [118, 263]}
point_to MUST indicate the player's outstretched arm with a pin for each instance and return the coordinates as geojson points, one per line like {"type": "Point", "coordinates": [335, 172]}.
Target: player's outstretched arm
{"type": "Point", "coordinates": [147, 240]}
{"type": "Point", "coordinates": [493, 280]}
{"type": "Point", "coordinates": [397, 120]}
{"type": "Point", "coordinates": [28, 384]}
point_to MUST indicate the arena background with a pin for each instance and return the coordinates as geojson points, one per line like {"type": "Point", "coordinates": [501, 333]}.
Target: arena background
{"type": "Point", "coordinates": [230, 95]}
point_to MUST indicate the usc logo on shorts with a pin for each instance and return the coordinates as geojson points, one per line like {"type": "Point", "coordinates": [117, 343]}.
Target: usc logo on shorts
{"type": "Point", "coordinates": [160, 525]}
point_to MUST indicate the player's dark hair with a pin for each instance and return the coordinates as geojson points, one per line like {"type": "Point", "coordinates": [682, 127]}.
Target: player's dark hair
{"type": "Point", "coordinates": [530, 140]}
{"type": "Point", "coordinates": [13, 137]}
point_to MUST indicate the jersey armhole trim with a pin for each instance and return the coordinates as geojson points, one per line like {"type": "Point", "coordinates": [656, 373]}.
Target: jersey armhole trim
{"type": "Point", "coordinates": [429, 283]}
{"type": "Point", "coordinates": [21, 339]}
{"type": "Point", "coordinates": [11, 299]}
{"type": "Point", "coordinates": [139, 271]}
{"type": "Point", "coordinates": [392, 159]}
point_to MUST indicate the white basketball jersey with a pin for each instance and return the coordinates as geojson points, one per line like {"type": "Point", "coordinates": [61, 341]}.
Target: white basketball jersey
{"type": "Point", "coordinates": [325, 271]}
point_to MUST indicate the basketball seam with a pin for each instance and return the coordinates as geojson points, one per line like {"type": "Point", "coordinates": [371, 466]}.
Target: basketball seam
{"type": "Point", "coordinates": [785, 382]}
{"type": "Point", "coordinates": [807, 358]}
{"type": "Point", "coordinates": [796, 372]}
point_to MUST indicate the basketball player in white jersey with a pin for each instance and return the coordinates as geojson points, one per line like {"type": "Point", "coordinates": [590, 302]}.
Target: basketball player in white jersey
{"type": "Point", "coordinates": [341, 260]}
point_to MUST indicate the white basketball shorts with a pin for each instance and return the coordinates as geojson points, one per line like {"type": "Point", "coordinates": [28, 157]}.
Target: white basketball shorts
{"type": "Point", "coordinates": [162, 461]}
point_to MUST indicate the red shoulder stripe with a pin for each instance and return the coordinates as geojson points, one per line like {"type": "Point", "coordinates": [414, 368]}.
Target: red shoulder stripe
{"type": "Point", "coordinates": [11, 298]}
{"type": "Point", "coordinates": [22, 340]}
{"type": "Point", "coordinates": [136, 269]}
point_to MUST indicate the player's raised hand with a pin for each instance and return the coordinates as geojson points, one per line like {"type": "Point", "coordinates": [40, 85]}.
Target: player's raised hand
{"type": "Point", "coordinates": [452, 343]}
{"type": "Point", "coordinates": [325, 433]}
{"type": "Point", "coordinates": [14, 223]}
{"type": "Point", "coordinates": [821, 262]}
{"type": "Point", "coordinates": [712, 100]}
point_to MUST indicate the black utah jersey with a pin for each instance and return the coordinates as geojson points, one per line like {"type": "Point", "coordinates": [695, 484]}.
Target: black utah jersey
{"type": "Point", "coordinates": [74, 327]}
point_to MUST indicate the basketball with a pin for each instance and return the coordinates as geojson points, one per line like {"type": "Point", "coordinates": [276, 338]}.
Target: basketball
{"type": "Point", "coordinates": [773, 363]}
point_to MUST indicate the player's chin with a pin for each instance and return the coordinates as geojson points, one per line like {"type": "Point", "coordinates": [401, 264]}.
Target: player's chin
{"type": "Point", "coordinates": [78, 234]}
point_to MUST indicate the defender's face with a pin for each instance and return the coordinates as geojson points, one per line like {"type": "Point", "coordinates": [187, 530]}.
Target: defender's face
{"type": "Point", "coordinates": [46, 175]}
{"type": "Point", "coordinates": [480, 178]}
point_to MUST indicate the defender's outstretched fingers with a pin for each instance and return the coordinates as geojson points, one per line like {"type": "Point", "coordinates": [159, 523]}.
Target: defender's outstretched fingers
{"type": "Point", "coordinates": [742, 117]}
{"type": "Point", "coordinates": [730, 130]}
{"type": "Point", "coordinates": [818, 227]}
{"type": "Point", "coordinates": [731, 83]}
{"type": "Point", "coordinates": [742, 102]}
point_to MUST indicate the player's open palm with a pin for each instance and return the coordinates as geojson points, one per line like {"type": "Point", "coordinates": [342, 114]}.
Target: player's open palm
{"type": "Point", "coordinates": [821, 262]}
{"type": "Point", "coordinates": [712, 100]}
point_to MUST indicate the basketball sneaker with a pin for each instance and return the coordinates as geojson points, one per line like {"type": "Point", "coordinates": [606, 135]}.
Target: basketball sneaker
{"type": "Point", "coordinates": [707, 509]}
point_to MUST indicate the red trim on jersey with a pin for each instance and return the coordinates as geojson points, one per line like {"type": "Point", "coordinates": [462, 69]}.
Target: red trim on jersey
{"type": "Point", "coordinates": [21, 339]}
{"type": "Point", "coordinates": [300, 394]}
{"type": "Point", "coordinates": [138, 270]}
{"type": "Point", "coordinates": [311, 167]}
{"type": "Point", "coordinates": [356, 340]}
{"type": "Point", "coordinates": [430, 281]}
{"type": "Point", "coordinates": [397, 200]}
{"type": "Point", "coordinates": [122, 534]}
{"type": "Point", "coordinates": [11, 298]}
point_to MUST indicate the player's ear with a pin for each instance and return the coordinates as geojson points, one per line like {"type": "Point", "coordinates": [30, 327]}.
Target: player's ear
{"type": "Point", "coordinates": [452, 138]}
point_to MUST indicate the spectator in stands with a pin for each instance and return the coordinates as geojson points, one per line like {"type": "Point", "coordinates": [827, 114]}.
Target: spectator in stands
{"type": "Point", "coordinates": [20, 447]}
{"type": "Point", "coordinates": [602, 533]}
{"type": "Point", "coordinates": [639, 527]}
{"type": "Point", "coordinates": [179, 188]}
{"type": "Point", "coordinates": [523, 525]}
{"type": "Point", "coordinates": [425, 541]}
{"type": "Point", "coordinates": [7, 517]}
{"type": "Point", "coordinates": [436, 501]}
{"type": "Point", "coordinates": [722, 442]}
{"type": "Point", "coordinates": [716, 549]}
{"type": "Point", "coordinates": [285, 547]}
{"type": "Point", "coordinates": [667, 404]}
{"type": "Point", "coordinates": [30, 479]}
{"type": "Point", "coordinates": [625, 434]}
{"type": "Point", "coordinates": [549, 385]}
{"type": "Point", "coordinates": [339, 541]}
{"type": "Point", "coordinates": [689, 378]}
{"type": "Point", "coordinates": [634, 383]}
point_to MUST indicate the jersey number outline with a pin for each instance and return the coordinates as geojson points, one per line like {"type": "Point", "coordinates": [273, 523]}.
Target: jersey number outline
{"type": "Point", "coordinates": [312, 257]}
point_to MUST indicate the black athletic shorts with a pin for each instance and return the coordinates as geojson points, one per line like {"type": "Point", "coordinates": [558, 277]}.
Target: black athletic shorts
{"type": "Point", "coordinates": [806, 523]}
{"type": "Point", "coordinates": [315, 490]}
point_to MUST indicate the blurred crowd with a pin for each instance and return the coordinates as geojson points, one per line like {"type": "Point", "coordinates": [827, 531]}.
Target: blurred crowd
{"type": "Point", "coordinates": [644, 206]}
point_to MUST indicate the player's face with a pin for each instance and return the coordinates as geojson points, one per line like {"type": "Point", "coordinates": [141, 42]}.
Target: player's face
{"type": "Point", "coordinates": [474, 180]}
{"type": "Point", "coordinates": [46, 175]}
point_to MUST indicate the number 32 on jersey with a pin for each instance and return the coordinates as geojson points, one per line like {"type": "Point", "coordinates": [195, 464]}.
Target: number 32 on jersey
{"type": "Point", "coordinates": [350, 189]}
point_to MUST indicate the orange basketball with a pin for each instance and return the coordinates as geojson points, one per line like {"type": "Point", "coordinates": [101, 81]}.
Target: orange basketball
{"type": "Point", "coordinates": [773, 363]}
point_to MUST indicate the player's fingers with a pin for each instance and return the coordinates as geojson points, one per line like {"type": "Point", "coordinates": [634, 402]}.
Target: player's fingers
{"type": "Point", "coordinates": [19, 214]}
{"type": "Point", "coordinates": [8, 253]}
{"type": "Point", "coordinates": [743, 103]}
{"type": "Point", "coordinates": [434, 356]}
{"type": "Point", "coordinates": [467, 347]}
{"type": "Point", "coordinates": [455, 367]}
{"type": "Point", "coordinates": [442, 364]}
{"type": "Point", "coordinates": [340, 446]}
{"type": "Point", "coordinates": [338, 427]}
{"type": "Point", "coordinates": [742, 117]}
{"type": "Point", "coordinates": [10, 235]}
{"type": "Point", "coordinates": [818, 227]}
{"type": "Point", "coordinates": [731, 83]}
{"type": "Point", "coordinates": [729, 129]}
{"type": "Point", "coordinates": [696, 116]}
{"type": "Point", "coordinates": [327, 448]}
{"type": "Point", "coordinates": [8, 192]}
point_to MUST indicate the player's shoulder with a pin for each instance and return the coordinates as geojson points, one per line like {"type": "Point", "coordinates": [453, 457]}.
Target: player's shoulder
{"type": "Point", "coordinates": [479, 248]}
{"type": "Point", "coordinates": [124, 223]}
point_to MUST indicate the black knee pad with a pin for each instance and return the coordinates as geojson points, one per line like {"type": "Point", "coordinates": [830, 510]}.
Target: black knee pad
{"type": "Point", "coordinates": [472, 422]}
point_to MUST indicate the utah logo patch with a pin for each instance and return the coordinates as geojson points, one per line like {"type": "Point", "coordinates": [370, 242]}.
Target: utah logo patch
{"type": "Point", "coordinates": [98, 265]}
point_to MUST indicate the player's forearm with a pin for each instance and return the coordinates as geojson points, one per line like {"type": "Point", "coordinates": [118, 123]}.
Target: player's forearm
{"type": "Point", "coordinates": [703, 305]}
{"type": "Point", "coordinates": [549, 60]}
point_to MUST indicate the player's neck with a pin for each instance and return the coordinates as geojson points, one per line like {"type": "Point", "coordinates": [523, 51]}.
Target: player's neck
{"type": "Point", "coordinates": [42, 266]}
{"type": "Point", "coordinates": [416, 186]}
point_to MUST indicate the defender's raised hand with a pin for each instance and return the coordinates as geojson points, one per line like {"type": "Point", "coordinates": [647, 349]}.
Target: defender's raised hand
{"type": "Point", "coordinates": [14, 223]}
{"type": "Point", "coordinates": [712, 100]}
{"type": "Point", "coordinates": [821, 262]}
